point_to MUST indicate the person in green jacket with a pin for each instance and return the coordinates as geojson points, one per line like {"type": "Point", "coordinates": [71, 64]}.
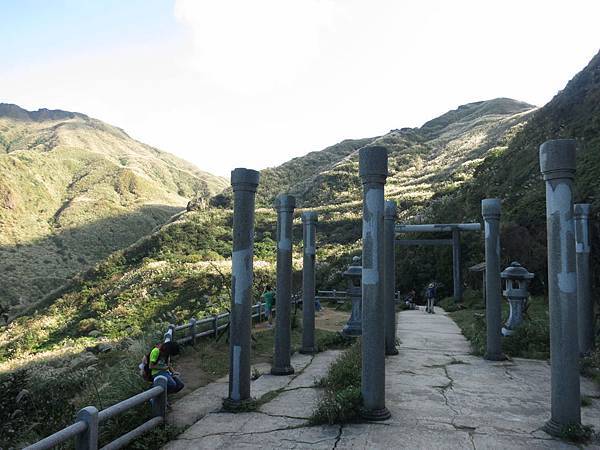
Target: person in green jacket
{"type": "Point", "coordinates": [269, 298]}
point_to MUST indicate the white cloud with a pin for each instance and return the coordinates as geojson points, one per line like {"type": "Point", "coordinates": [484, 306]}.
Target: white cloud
{"type": "Point", "coordinates": [255, 83]}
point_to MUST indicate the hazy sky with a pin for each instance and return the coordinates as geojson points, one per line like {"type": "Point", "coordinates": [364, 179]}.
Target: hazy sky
{"type": "Point", "coordinates": [253, 83]}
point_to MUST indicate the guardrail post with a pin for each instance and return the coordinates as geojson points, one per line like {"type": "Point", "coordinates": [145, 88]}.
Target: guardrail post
{"type": "Point", "coordinates": [259, 311]}
{"type": "Point", "coordinates": [88, 440]}
{"type": "Point", "coordinates": [215, 326]}
{"type": "Point", "coordinates": [170, 333]}
{"type": "Point", "coordinates": [193, 330]}
{"type": "Point", "coordinates": [159, 403]}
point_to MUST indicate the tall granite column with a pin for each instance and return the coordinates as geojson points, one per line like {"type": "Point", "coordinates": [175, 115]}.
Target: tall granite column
{"type": "Point", "coordinates": [244, 183]}
{"type": "Point", "coordinates": [284, 204]}
{"type": "Point", "coordinates": [490, 209]}
{"type": "Point", "coordinates": [456, 265]}
{"type": "Point", "coordinates": [373, 171]}
{"type": "Point", "coordinates": [389, 276]}
{"type": "Point", "coordinates": [585, 305]}
{"type": "Point", "coordinates": [309, 233]}
{"type": "Point", "coordinates": [557, 164]}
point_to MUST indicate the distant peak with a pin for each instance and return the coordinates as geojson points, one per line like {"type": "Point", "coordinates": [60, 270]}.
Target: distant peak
{"type": "Point", "coordinates": [474, 110]}
{"type": "Point", "coordinates": [42, 114]}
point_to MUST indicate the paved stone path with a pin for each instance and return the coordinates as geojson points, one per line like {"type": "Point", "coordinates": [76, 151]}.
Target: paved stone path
{"type": "Point", "coordinates": [439, 395]}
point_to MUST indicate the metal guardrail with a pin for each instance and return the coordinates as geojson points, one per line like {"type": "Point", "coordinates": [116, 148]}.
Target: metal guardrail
{"type": "Point", "coordinates": [341, 296]}
{"type": "Point", "coordinates": [86, 429]}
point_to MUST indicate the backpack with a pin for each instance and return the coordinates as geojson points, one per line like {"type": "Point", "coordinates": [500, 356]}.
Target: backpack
{"type": "Point", "coordinates": [144, 367]}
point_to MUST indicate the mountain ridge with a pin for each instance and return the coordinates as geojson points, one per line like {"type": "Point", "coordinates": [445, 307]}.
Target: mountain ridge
{"type": "Point", "coordinates": [73, 189]}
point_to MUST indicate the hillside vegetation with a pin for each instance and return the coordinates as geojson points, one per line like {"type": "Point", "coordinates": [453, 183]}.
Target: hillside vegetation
{"type": "Point", "coordinates": [73, 190]}
{"type": "Point", "coordinates": [438, 172]}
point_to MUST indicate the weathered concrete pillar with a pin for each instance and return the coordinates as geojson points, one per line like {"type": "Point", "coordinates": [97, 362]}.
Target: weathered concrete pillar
{"type": "Point", "coordinates": [557, 163]}
{"type": "Point", "coordinates": [284, 204]}
{"type": "Point", "coordinates": [309, 233]}
{"type": "Point", "coordinates": [456, 265]}
{"type": "Point", "coordinates": [490, 210]}
{"type": "Point", "coordinates": [389, 276]}
{"type": "Point", "coordinates": [585, 304]}
{"type": "Point", "coordinates": [373, 171]}
{"type": "Point", "coordinates": [244, 183]}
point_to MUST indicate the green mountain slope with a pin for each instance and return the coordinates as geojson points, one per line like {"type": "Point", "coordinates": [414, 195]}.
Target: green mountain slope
{"type": "Point", "coordinates": [74, 189]}
{"type": "Point", "coordinates": [440, 171]}
{"type": "Point", "coordinates": [196, 247]}
{"type": "Point", "coordinates": [512, 174]}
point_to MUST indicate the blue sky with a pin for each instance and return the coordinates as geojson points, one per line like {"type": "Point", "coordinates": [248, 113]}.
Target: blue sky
{"type": "Point", "coordinates": [42, 30]}
{"type": "Point", "coordinates": [228, 83]}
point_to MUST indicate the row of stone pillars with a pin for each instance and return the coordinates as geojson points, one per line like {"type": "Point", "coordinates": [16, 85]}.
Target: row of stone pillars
{"type": "Point", "coordinates": [571, 306]}
{"type": "Point", "coordinates": [244, 183]}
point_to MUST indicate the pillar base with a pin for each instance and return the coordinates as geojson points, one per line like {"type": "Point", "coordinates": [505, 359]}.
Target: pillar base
{"type": "Point", "coordinates": [495, 357]}
{"type": "Point", "coordinates": [553, 428]}
{"type": "Point", "coordinates": [350, 331]}
{"type": "Point", "coordinates": [391, 352]}
{"type": "Point", "coordinates": [375, 414]}
{"type": "Point", "coordinates": [507, 331]}
{"type": "Point", "coordinates": [235, 406]}
{"type": "Point", "coordinates": [309, 350]}
{"type": "Point", "coordinates": [289, 370]}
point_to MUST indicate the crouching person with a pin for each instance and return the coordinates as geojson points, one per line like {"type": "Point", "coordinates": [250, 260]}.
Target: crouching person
{"type": "Point", "coordinates": [160, 364]}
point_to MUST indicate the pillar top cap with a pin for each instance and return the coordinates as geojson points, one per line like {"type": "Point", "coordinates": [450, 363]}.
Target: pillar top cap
{"type": "Point", "coordinates": [309, 216]}
{"type": "Point", "coordinates": [490, 207]}
{"type": "Point", "coordinates": [390, 211]}
{"type": "Point", "coordinates": [285, 202]}
{"type": "Point", "coordinates": [244, 179]}
{"type": "Point", "coordinates": [557, 158]}
{"type": "Point", "coordinates": [373, 163]}
{"type": "Point", "coordinates": [582, 209]}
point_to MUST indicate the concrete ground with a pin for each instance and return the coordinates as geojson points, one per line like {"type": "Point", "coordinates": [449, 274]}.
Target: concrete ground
{"type": "Point", "coordinates": [439, 395]}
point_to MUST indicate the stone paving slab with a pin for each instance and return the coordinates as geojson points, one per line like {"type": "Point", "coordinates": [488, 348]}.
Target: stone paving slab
{"type": "Point", "coordinates": [440, 397]}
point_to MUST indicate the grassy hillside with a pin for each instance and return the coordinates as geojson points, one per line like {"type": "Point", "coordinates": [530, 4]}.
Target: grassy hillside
{"type": "Point", "coordinates": [73, 190]}
{"type": "Point", "coordinates": [440, 171]}
{"type": "Point", "coordinates": [512, 173]}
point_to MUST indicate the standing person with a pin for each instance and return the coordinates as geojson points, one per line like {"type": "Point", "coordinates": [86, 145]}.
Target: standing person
{"type": "Point", "coordinates": [269, 297]}
{"type": "Point", "coordinates": [430, 296]}
{"type": "Point", "coordinates": [159, 363]}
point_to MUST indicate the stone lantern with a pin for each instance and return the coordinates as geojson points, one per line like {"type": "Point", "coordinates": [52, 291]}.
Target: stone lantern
{"type": "Point", "coordinates": [516, 279]}
{"type": "Point", "coordinates": [354, 277]}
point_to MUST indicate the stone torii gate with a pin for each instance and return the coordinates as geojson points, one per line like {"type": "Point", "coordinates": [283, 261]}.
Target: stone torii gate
{"type": "Point", "coordinates": [455, 228]}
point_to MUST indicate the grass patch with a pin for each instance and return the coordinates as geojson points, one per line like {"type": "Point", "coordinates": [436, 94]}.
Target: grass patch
{"type": "Point", "coordinates": [577, 433]}
{"type": "Point", "coordinates": [342, 398]}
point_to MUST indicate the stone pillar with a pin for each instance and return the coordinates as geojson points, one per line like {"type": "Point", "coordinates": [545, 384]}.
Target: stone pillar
{"type": "Point", "coordinates": [456, 265]}
{"type": "Point", "coordinates": [244, 183]}
{"type": "Point", "coordinates": [389, 276]}
{"type": "Point", "coordinates": [585, 304]}
{"type": "Point", "coordinates": [309, 233]}
{"type": "Point", "coordinates": [373, 171]}
{"type": "Point", "coordinates": [557, 164]}
{"type": "Point", "coordinates": [284, 204]}
{"type": "Point", "coordinates": [490, 209]}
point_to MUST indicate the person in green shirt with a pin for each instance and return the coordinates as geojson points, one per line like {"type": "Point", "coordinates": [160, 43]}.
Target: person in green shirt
{"type": "Point", "coordinates": [160, 364]}
{"type": "Point", "coordinates": [269, 298]}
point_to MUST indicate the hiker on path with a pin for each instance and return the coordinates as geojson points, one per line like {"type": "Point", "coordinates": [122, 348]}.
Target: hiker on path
{"type": "Point", "coordinates": [269, 298]}
{"type": "Point", "coordinates": [159, 363]}
{"type": "Point", "coordinates": [430, 294]}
